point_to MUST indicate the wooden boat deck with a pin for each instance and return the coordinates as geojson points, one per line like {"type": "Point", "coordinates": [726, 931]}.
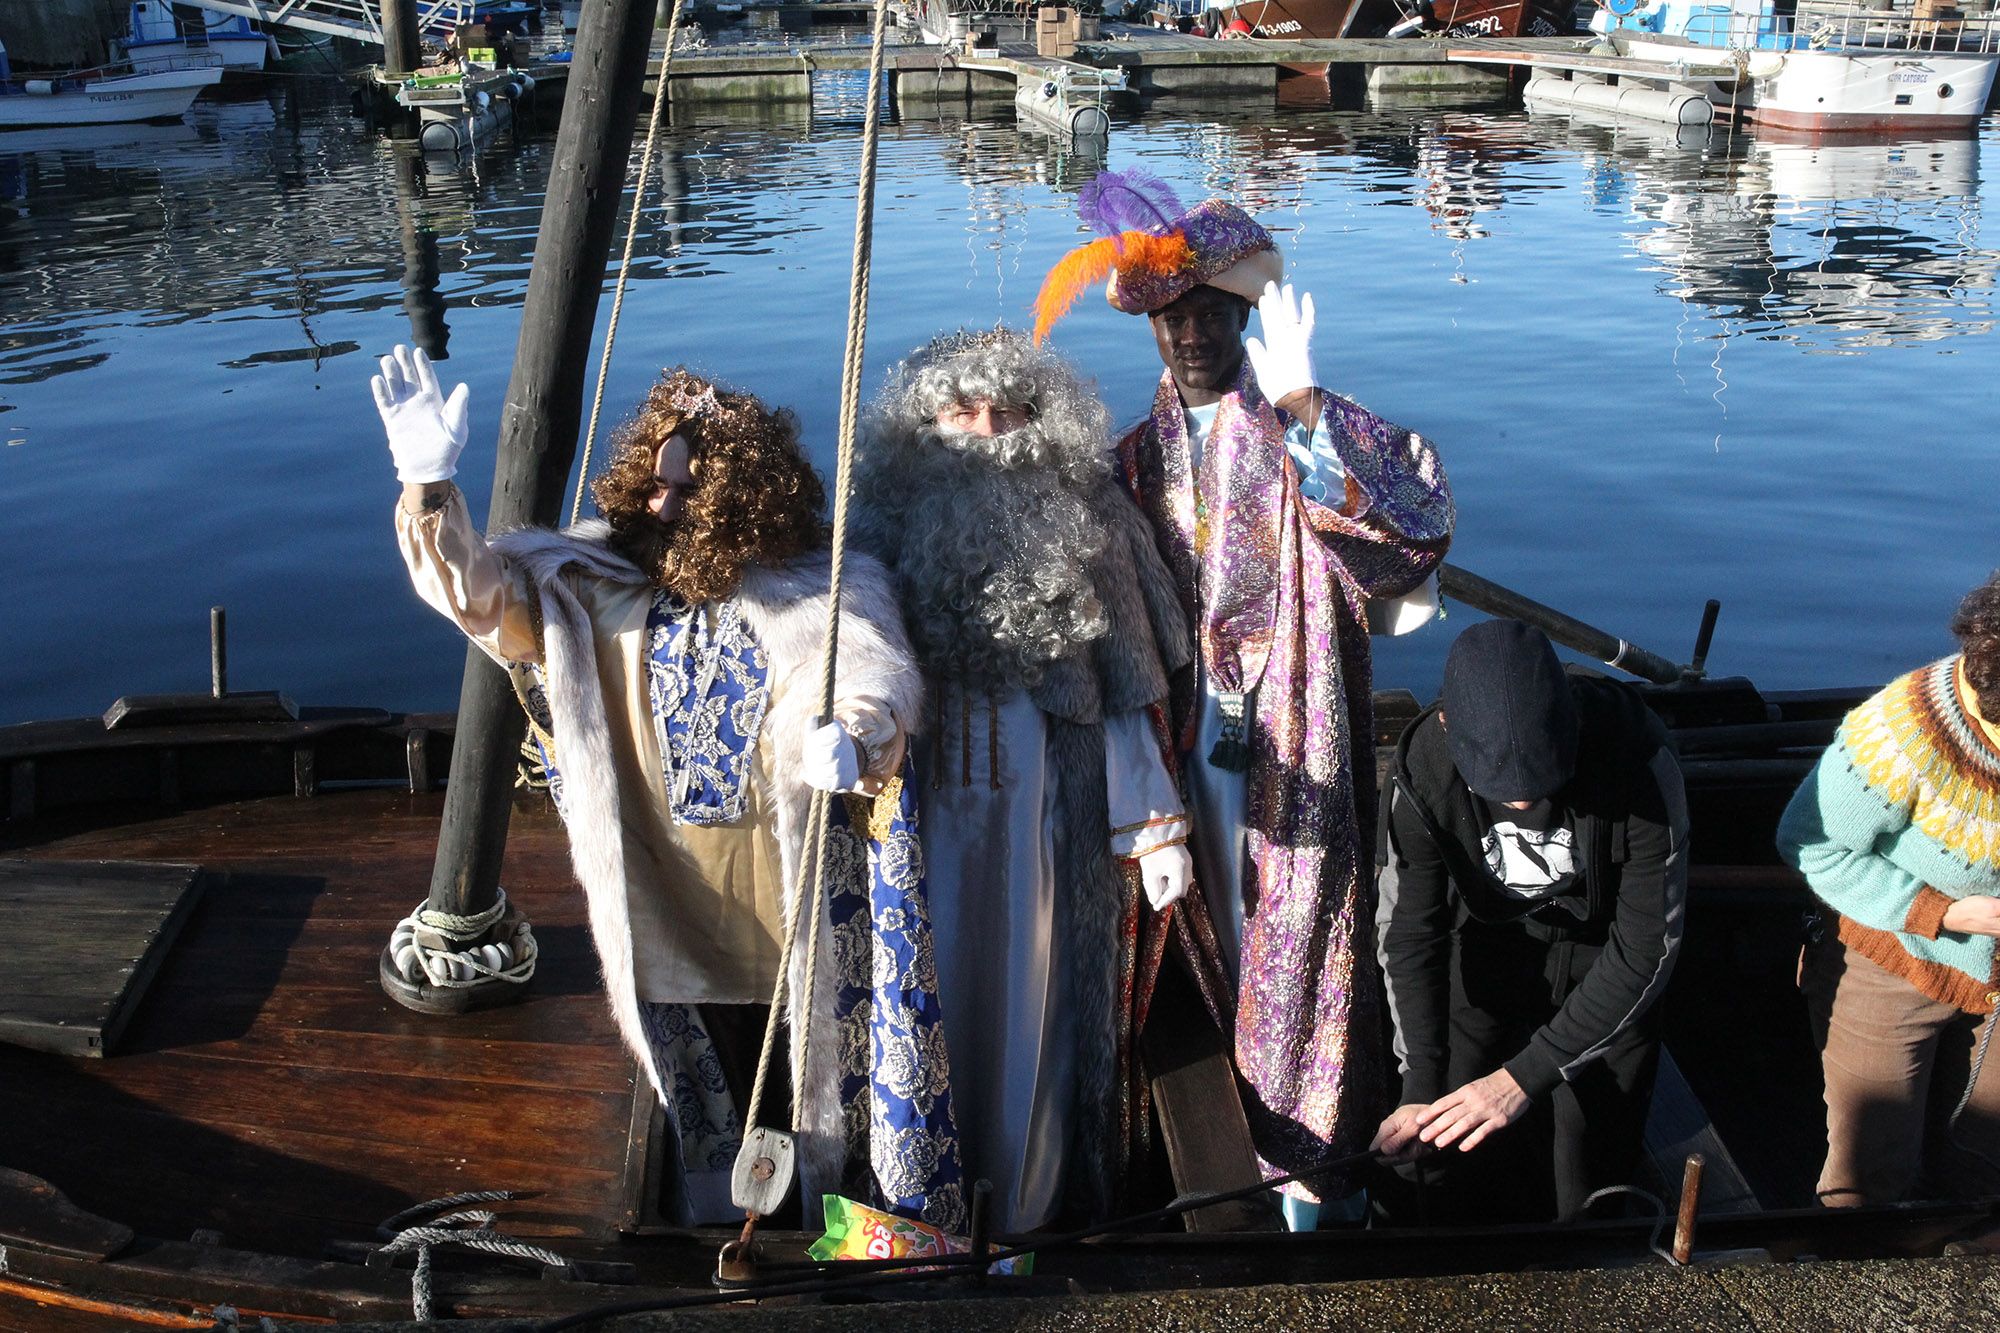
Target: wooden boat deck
{"type": "Point", "coordinates": [266, 1087]}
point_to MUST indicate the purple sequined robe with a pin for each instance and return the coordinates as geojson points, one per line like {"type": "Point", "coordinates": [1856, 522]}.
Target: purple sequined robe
{"type": "Point", "coordinates": [1288, 581]}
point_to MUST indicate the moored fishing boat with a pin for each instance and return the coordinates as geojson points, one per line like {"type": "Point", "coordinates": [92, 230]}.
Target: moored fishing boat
{"type": "Point", "coordinates": [1296, 19]}
{"type": "Point", "coordinates": [160, 33]}
{"type": "Point", "coordinates": [105, 94]}
{"type": "Point", "coordinates": [1827, 66]}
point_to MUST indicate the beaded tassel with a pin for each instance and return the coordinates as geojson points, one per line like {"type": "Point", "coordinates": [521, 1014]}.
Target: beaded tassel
{"type": "Point", "coordinates": [1232, 748]}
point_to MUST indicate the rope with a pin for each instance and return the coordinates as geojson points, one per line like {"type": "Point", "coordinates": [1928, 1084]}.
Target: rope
{"type": "Point", "coordinates": [511, 960]}
{"type": "Point", "coordinates": [850, 402]}
{"type": "Point", "coordinates": [470, 1229]}
{"type": "Point", "coordinates": [625, 260]}
{"type": "Point", "coordinates": [1972, 1082]}
{"type": "Point", "coordinates": [1659, 1215]}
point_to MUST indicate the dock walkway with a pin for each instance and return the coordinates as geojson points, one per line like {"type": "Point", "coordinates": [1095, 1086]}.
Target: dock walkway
{"type": "Point", "coordinates": [1155, 64]}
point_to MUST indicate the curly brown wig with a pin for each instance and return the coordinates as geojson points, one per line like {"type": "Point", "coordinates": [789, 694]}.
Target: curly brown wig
{"type": "Point", "coordinates": [756, 500]}
{"type": "Point", "coordinates": [1976, 626]}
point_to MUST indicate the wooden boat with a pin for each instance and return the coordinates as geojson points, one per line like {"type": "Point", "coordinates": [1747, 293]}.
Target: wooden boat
{"type": "Point", "coordinates": [1292, 20]}
{"type": "Point", "coordinates": [210, 1113]}
{"type": "Point", "coordinates": [208, 1101]}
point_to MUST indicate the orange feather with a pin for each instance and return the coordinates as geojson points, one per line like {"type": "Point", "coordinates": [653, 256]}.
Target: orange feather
{"type": "Point", "coordinates": [1088, 265]}
{"type": "Point", "coordinates": [1073, 274]}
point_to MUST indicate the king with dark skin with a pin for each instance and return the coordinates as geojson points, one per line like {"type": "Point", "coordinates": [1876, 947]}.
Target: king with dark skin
{"type": "Point", "coordinates": [1200, 338]}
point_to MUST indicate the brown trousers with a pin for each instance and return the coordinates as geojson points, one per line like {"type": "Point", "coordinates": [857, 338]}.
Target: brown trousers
{"type": "Point", "coordinates": [1897, 1063]}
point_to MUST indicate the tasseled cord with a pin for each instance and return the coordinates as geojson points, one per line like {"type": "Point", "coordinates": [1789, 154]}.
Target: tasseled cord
{"type": "Point", "coordinates": [1231, 753]}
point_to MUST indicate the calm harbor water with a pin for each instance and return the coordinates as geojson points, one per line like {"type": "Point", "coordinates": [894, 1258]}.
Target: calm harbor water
{"type": "Point", "coordinates": [1661, 370]}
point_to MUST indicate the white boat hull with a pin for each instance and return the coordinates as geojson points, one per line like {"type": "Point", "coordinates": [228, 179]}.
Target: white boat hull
{"type": "Point", "coordinates": [160, 95]}
{"type": "Point", "coordinates": [1828, 90]}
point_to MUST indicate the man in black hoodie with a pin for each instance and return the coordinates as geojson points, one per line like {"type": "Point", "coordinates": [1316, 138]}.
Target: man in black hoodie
{"type": "Point", "coordinates": [1533, 881]}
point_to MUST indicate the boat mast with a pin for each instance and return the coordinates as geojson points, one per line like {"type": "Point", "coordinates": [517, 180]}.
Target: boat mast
{"type": "Point", "coordinates": [538, 433]}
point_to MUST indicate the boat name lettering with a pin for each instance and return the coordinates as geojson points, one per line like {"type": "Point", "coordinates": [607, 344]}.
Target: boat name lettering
{"type": "Point", "coordinates": [111, 97]}
{"type": "Point", "coordinates": [1480, 27]}
{"type": "Point", "coordinates": [1273, 29]}
{"type": "Point", "coordinates": [1909, 78]}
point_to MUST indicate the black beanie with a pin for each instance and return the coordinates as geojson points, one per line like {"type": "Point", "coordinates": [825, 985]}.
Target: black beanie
{"type": "Point", "coordinates": [1508, 715]}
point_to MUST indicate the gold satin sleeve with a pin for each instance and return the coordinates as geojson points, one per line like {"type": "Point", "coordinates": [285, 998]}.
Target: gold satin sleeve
{"type": "Point", "coordinates": [466, 582]}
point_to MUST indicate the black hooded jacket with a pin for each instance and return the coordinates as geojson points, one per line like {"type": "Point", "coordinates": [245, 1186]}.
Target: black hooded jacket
{"type": "Point", "coordinates": [1626, 804]}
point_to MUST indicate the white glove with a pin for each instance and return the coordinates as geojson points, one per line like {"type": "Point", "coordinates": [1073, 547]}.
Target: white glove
{"type": "Point", "coordinates": [426, 429]}
{"type": "Point", "coordinates": [830, 761]}
{"type": "Point", "coordinates": [1166, 873]}
{"type": "Point", "coordinates": [1282, 358]}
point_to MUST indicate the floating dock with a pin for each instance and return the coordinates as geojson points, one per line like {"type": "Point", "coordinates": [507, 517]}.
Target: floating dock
{"type": "Point", "coordinates": [1153, 63]}
{"type": "Point", "coordinates": [1126, 62]}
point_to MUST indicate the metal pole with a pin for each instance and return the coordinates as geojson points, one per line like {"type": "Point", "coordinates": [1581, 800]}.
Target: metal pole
{"type": "Point", "coordinates": [1568, 631]}
{"type": "Point", "coordinates": [399, 37]}
{"type": "Point", "coordinates": [541, 416]}
{"type": "Point", "coordinates": [218, 653]}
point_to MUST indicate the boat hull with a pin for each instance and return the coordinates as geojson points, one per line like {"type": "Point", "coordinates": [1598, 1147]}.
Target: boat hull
{"type": "Point", "coordinates": [1300, 19]}
{"type": "Point", "coordinates": [1826, 90]}
{"type": "Point", "coordinates": [161, 95]}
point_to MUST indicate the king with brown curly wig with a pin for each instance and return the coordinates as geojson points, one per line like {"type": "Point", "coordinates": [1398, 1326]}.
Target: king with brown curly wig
{"type": "Point", "coordinates": [755, 499]}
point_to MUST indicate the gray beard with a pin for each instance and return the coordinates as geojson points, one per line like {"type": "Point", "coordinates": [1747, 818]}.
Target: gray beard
{"type": "Point", "coordinates": [997, 554]}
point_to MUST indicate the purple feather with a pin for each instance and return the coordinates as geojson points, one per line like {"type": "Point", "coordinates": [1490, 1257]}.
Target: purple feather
{"type": "Point", "coordinates": [1134, 200]}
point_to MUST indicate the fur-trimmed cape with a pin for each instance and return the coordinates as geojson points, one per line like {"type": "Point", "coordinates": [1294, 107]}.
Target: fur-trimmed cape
{"type": "Point", "coordinates": [786, 609]}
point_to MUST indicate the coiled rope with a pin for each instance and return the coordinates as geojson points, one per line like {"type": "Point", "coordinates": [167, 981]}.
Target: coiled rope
{"type": "Point", "coordinates": [418, 960]}
{"type": "Point", "coordinates": [625, 260]}
{"type": "Point", "coordinates": [468, 1229]}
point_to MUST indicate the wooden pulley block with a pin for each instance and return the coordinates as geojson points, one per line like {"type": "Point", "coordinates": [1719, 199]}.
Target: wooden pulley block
{"type": "Point", "coordinates": [765, 1169]}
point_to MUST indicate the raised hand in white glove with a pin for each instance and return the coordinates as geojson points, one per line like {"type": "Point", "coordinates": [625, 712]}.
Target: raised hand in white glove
{"type": "Point", "coordinates": [426, 430]}
{"type": "Point", "coordinates": [1282, 358]}
{"type": "Point", "coordinates": [831, 762]}
{"type": "Point", "coordinates": [1166, 872]}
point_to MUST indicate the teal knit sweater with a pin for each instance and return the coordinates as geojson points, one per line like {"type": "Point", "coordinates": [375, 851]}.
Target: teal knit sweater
{"type": "Point", "coordinates": [1900, 818]}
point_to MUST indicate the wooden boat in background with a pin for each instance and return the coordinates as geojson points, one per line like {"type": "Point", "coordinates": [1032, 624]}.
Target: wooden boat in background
{"type": "Point", "coordinates": [234, 1129]}
{"type": "Point", "coordinates": [1292, 20]}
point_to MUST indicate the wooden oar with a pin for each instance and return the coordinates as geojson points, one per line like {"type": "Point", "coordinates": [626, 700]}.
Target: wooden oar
{"type": "Point", "coordinates": [1488, 596]}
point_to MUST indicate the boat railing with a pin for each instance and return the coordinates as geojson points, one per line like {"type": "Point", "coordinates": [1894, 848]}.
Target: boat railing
{"type": "Point", "coordinates": [1925, 25]}
{"type": "Point", "coordinates": [70, 79]}
{"type": "Point", "coordinates": [435, 18]}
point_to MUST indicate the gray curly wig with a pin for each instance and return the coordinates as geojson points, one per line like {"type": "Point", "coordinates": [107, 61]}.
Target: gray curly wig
{"type": "Point", "coordinates": [994, 540]}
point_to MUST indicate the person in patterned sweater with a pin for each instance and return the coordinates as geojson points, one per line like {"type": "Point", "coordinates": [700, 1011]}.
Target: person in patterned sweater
{"type": "Point", "coordinates": [1897, 830]}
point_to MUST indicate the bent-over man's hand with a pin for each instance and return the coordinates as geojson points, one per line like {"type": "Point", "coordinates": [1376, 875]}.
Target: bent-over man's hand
{"type": "Point", "coordinates": [426, 430]}
{"type": "Point", "coordinates": [1467, 1115]}
{"type": "Point", "coordinates": [1397, 1139]}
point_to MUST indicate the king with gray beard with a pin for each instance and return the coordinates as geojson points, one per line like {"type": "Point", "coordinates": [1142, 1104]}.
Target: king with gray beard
{"type": "Point", "coordinates": [1047, 626]}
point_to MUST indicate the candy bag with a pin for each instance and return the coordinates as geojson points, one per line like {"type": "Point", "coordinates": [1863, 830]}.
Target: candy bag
{"type": "Point", "coordinates": [856, 1231]}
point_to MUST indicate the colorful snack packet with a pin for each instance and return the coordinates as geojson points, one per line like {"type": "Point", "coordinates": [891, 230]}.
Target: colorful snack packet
{"type": "Point", "coordinates": [856, 1231]}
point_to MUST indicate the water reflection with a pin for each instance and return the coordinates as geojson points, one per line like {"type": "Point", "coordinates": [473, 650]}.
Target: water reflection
{"type": "Point", "coordinates": [220, 281]}
{"type": "Point", "coordinates": [280, 208]}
